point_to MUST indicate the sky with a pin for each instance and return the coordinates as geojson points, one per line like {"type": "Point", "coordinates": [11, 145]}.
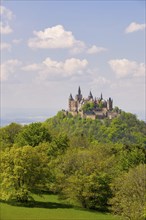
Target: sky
{"type": "Point", "coordinates": [50, 48]}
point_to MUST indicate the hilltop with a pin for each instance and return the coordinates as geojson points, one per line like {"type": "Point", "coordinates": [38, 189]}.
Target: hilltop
{"type": "Point", "coordinates": [125, 128]}
{"type": "Point", "coordinates": [91, 107]}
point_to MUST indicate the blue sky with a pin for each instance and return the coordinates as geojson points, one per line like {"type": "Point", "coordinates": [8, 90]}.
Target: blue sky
{"type": "Point", "coordinates": [49, 48]}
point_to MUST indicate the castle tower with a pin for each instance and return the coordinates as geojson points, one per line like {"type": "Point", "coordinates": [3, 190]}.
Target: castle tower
{"type": "Point", "coordinates": [110, 104]}
{"type": "Point", "coordinates": [70, 101]}
{"type": "Point", "coordinates": [79, 95]}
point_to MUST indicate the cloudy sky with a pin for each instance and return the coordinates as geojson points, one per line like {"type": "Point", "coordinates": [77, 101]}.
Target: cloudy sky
{"type": "Point", "coordinates": [49, 48]}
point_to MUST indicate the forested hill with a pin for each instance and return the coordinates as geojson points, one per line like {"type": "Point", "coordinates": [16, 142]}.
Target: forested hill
{"type": "Point", "coordinates": [125, 128]}
{"type": "Point", "coordinates": [95, 164]}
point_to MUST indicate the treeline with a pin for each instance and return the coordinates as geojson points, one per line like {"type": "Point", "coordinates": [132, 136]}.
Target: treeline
{"type": "Point", "coordinates": [97, 164]}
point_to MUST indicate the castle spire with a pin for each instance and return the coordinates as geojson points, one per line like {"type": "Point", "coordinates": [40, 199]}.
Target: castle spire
{"type": "Point", "coordinates": [70, 97]}
{"type": "Point", "coordinates": [90, 95]}
{"type": "Point", "coordinates": [101, 97]}
{"type": "Point", "coordinates": [79, 91]}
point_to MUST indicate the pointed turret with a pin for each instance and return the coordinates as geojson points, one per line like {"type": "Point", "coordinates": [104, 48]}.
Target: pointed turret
{"type": "Point", "coordinates": [101, 97]}
{"type": "Point", "coordinates": [79, 95]}
{"type": "Point", "coordinates": [90, 95]}
{"type": "Point", "coordinates": [79, 91]}
{"type": "Point", "coordinates": [70, 97]}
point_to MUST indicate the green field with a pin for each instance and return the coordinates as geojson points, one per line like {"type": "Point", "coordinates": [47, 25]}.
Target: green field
{"type": "Point", "coordinates": [49, 207]}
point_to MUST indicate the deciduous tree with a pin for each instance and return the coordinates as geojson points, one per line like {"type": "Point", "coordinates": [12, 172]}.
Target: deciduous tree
{"type": "Point", "coordinates": [33, 135]}
{"type": "Point", "coordinates": [22, 169]}
{"type": "Point", "coordinates": [129, 194]}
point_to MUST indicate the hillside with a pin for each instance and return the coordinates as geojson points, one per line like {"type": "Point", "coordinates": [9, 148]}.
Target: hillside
{"type": "Point", "coordinates": [95, 164]}
{"type": "Point", "coordinates": [125, 129]}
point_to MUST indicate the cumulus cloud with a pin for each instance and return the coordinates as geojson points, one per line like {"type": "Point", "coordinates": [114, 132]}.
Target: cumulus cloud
{"type": "Point", "coordinates": [68, 67]}
{"type": "Point", "coordinates": [8, 68]}
{"type": "Point", "coordinates": [32, 67]}
{"type": "Point", "coordinates": [6, 13]}
{"type": "Point", "coordinates": [54, 37]}
{"type": "Point", "coordinates": [57, 37]}
{"type": "Point", "coordinates": [52, 69]}
{"type": "Point", "coordinates": [125, 67]}
{"type": "Point", "coordinates": [5, 46]}
{"type": "Point", "coordinates": [6, 16]}
{"type": "Point", "coordinates": [5, 28]}
{"type": "Point", "coordinates": [94, 49]}
{"type": "Point", "coordinates": [135, 27]}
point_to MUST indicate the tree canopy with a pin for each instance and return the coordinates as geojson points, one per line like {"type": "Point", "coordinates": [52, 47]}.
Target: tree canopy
{"type": "Point", "coordinates": [129, 193]}
{"type": "Point", "coordinates": [96, 164]}
{"type": "Point", "coordinates": [33, 134]}
{"type": "Point", "coordinates": [22, 170]}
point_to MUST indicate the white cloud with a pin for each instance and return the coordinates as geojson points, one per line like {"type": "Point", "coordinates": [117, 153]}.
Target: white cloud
{"type": "Point", "coordinates": [8, 68]}
{"type": "Point", "coordinates": [5, 46]}
{"type": "Point", "coordinates": [6, 16]}
{"type": "Point", "coordinates": [124, 68]}
{"type": "Point", "coordinates": [48, 70]}
{"type": "Point", "coordinates": [6, 13]}
{"type": "Point", "coordinates": [94, 49]}
{"type": "Point", "coordinates": [54, 37]}
{"type": "Point", "coordinates": [135, 27]}
{"type": "Point", "coordinates": [57, 37]}
{"type": "Point", "coordinates": [78, 48]}
{"type": "Point", "coordinates": [73, 66]}
{"type": "Point", "coordinates": [54, 70]}
{"type": "Point", "coordinates": [31, 67]}
{"type": "Point", "coordinates": [67, 68]}
{"type": "Point", "coordinates": [5, 28]}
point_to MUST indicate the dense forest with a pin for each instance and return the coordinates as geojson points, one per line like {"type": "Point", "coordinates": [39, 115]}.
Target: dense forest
{"type": "Point", "coordinates": [96, 164]}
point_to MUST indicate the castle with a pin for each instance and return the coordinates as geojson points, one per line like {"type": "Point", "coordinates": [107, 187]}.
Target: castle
{"type": "Point", "coordinates": [91, 107]}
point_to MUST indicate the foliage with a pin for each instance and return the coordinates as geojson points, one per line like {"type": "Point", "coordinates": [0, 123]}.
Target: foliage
{"type": "Point", "coordinates": [85, 161]}
{"type": "Point", "coordinates": [131, 156]}
{"type": "Point", "coordinates": [125, 129]}
{"type": "Point", "coordinates": [129, 194]}
{"type": "Point", "coordinates": [22, 169]}
{"type": "Point", "coordinates": [84, 175]}
{"type": "Point", "coordinates": [100, 105]}
{"type": "Point", "coordinates": [32, 135]}
{"type": "Point", "coordinates": [9, 133]}
{"type": "Point", "coordinates": [89, 106]}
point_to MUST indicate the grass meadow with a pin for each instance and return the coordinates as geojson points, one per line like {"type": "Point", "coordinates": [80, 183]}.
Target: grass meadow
{"type": "Point", "coordinates": [49, 207]}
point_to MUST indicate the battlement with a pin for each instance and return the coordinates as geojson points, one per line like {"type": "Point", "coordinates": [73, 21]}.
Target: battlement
{"type": "Point", "coordinates": [91, 107]}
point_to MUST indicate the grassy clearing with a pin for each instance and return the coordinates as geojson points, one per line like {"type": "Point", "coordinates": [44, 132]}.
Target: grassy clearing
{"type": "Point", "coordinates": [49, 207]}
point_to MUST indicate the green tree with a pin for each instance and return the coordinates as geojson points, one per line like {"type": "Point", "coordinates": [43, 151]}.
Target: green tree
{"type": "Point", "coordinates": [23, 169]}
{"type": "Point", "coordinates": [58, 145]}
{"type": "Point", "coordinates": [84, 176]}
{"type": "Point", "coordinates": [129, 191]}
{"type": "Point", "coordinates": [131, 156]}
{"type": "Point", "coordinates": [89, 106]}
{"type": "Point", "coordinates": [100, 105]}
{"type": "Point", "coordinates": [9, 133]}
{"type": "Point", "coordinates": [33, 135]}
